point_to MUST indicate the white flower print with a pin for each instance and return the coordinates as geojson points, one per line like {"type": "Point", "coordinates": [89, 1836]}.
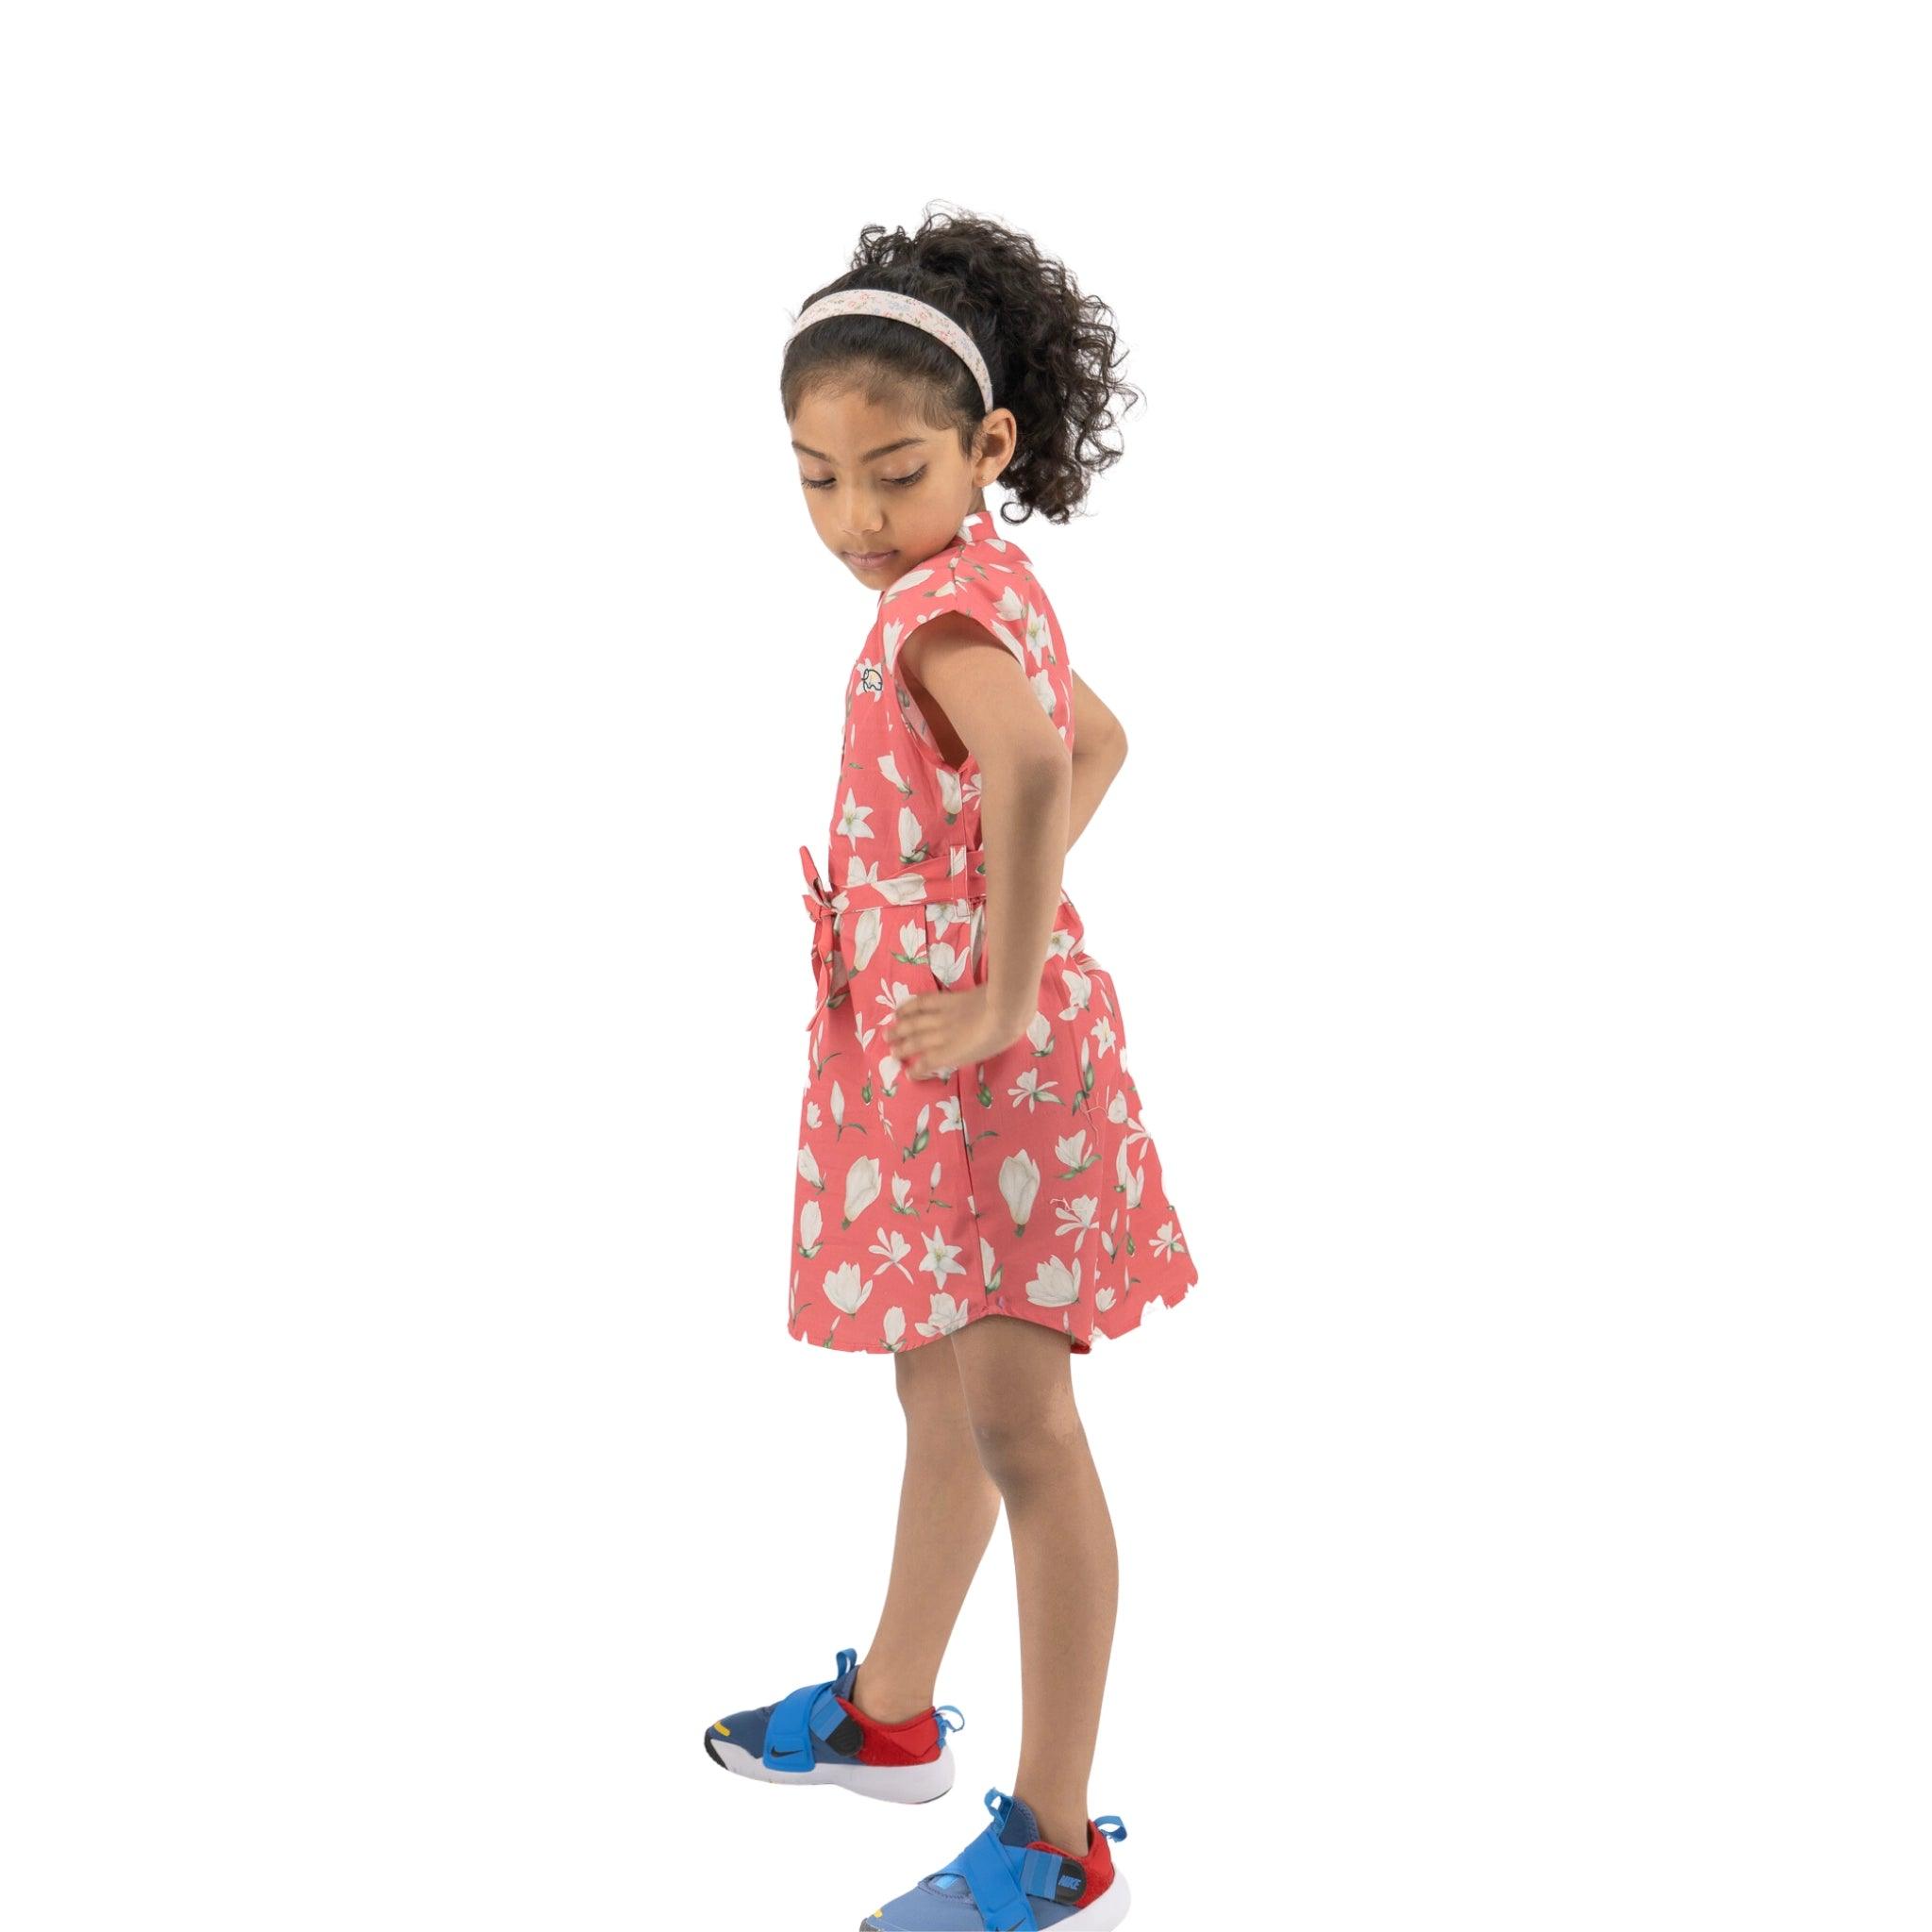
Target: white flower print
{"type": "Point", "coordinates": [838, 1105]}
{"type": "Point", "coordinates": [947, 966]}
{"type": "Point", "coordinates": [1117, 1109]}
{"type": "Point", "coordinates": [1077, 1213]}
{"type": "Point", "coordinates": [908, 889]}
{"type": "Point", "coordinates": [859, 874]}
{"type": "Point", "coordinates": [910, 581]}
{"type": "Point", "coordinates": [902, 1195]}
{"type": "Point", "coordinates": [1042, 682]}
{"type": "Point", "coordinates": [1040, 1031]}
{"type": "Point", "coordinates": [811, 1223]}
{"type": "Point", "coordinates": [1018, 1184]}
{"type": "Point", "coordinates": [1038, 634]}
{"type": "Point", "coordinates": [892, 995]}
{"type": "Point", "coordinates": [913, 845]}
{"type": "Point", "coordinates": [1029, 1090]}
{"type": "Point", "coordinates": [948, 1317]}
{"type": "Point", "coordinates": [1056, 1285]}
{"type": "Point", "coordinates": [1073, 1154]}
{"type": "Point", "coordinates": [1167, 1240]}
{"type": "Point", "coordinates": [941, 1260]}
{"type": "Point", "coordinates": [861, 1186]}
{"type": "Point", "coordinates": [950, 1122]}
{"type": "Point", "coordinates": [892, 1248]}
{"type": "Point", "coordinates": [889, 769]}
{"type": "Point", "coordinates": [808, 1168]}
{"type": "Point", "coordinates": [951, 800]}
{"type": "Point", "coordinates": [845, 1289]}
{"type": "Point", "coordinates": [812, 1116]}
{"type": "Point", "coordinates": [864, 933]}
{"type": "Point", "coordinates": [1079, 990]}
{"type": "Point", "coordinates": [895, 1326]}
{"type": "Point", "coordinates": [1132, 1180]}
{"type": "Point", "coordinates": [1102, 1037]}
{"type": "Point", "coordinates": [912, 942]}
{"type": "Point", "coordinates": [852, 820]}
{"type": "Point", "coordinates": [1102, 1301]}
{"type": "Point", "coordinates": [989, 1265]}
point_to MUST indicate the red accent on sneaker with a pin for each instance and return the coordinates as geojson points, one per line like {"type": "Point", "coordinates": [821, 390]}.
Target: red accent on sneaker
{"type": "Point", "coordinates": [915, 1742]}
{"type": "Point", "coordinates": [1097, 1864]}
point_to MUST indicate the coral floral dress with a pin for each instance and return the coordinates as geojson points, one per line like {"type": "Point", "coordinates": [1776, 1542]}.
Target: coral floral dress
{"type": "Point", "coordinates": [1023, 1185]}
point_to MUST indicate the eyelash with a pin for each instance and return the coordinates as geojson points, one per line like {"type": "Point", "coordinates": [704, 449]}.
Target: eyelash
{"type": "Point", "coordinates": [900, 482]}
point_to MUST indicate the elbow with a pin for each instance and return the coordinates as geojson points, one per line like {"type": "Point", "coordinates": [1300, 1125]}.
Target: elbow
{"type": "Point", "coordinates": [1042, 780]}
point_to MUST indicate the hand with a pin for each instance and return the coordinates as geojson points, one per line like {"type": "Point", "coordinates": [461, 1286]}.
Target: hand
{"type": "Point", "coordinates": [936, 1032]}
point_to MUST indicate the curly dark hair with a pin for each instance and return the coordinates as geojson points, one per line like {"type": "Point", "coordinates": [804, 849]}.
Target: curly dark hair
{"type": "Point", "coordinates": [1050, 351]}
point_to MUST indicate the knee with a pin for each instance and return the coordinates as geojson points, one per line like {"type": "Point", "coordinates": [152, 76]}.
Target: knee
{"type": "Point", "coordinates": [930, 1394]}
{"type": "Point", "coordinates": [1020, 1451]}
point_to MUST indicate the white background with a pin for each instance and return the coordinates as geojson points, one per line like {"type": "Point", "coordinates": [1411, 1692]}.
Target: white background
{"type": "Point", "coordinates": [419, 673]}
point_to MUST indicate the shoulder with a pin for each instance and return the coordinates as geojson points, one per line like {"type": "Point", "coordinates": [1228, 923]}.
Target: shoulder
{"type": "Point", "coordinates": [986, 582]}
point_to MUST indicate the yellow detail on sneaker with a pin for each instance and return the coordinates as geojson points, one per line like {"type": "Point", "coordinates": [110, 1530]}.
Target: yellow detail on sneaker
{"type": "Point", "coordinates": [723, 1730]}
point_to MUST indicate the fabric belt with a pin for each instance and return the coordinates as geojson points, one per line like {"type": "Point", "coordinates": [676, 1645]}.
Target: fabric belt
{"type": "Point", "coordinates": [931, 880]}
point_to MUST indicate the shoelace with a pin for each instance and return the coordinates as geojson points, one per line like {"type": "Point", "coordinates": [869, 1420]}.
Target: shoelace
{"type": "Point", "coordinates": [939, 1711]}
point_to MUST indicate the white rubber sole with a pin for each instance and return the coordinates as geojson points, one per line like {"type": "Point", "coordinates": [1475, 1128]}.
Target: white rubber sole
{"type": "Point", "coordinates": [1109, 1908]}
{"type": "Point", "coordinates": [897, 1784]}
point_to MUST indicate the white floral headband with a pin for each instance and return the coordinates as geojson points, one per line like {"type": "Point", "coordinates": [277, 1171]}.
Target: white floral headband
{"type": "Point", "coordinates": [902, 309]}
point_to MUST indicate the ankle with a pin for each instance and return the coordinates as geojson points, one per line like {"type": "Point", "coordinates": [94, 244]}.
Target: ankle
{"type": "Point", "coordinates": [1063, 1827]}
{"type": "Point", "coordinates": [887, 1700]}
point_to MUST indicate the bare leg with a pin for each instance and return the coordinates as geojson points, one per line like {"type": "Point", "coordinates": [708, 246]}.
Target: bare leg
{"type": "Point", "coordinates": [948, 1510]}
{"type": "Point", "coordinates": [1020, 1398]}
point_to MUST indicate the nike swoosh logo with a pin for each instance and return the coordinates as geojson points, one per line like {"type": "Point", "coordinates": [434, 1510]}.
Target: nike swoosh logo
{"type": "Point", "coordinates": [788, 1754]}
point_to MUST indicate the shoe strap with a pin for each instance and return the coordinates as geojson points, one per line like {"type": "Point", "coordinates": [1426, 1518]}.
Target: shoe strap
{"type": "Point", "coordinates": [811, 1712]}
{"type": "Point", "coordinates": [987, 1865]}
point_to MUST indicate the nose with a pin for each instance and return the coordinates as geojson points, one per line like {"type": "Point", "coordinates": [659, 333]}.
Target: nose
{"type": "Point", "coordinates": [858, 538]}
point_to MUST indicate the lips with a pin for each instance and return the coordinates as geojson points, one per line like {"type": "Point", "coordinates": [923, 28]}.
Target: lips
{"type": "Point", "coordinates": [868, 559]}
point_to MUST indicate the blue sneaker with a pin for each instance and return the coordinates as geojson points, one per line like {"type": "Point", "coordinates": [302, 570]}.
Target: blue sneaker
{"type": "Point", "coordinates": [817, 1735]}
{"type": "Point", "coordinates": [1009, 1880]}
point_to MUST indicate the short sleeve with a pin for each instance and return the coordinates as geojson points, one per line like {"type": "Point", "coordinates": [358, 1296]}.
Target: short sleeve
{"type": "Point", "coordinates": [957, 581]}
{"type": "Point", "coordinates": [994, 598]}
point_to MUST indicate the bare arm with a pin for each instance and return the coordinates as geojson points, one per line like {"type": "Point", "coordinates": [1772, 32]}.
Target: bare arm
{"type": "Point", "coordinates": [1025, 810]}
{"type": "Point", "coordinates": [1100, 749]}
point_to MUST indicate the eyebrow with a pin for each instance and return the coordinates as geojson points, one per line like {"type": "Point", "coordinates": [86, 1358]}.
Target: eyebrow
{"type": "Point", "coordinates": [885, 449]}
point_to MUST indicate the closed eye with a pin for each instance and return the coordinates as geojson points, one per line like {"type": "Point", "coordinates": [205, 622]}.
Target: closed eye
{"type": "Point", "coordinates": [898, 482]}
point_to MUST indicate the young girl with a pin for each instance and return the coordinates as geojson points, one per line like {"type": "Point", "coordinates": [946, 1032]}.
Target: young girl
{"type": "Point", "coordinates": [976, 1194]}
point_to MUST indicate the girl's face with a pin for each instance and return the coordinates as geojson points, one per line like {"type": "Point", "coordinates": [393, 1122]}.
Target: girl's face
{"type": "Point", "coordinates": [885, 490]}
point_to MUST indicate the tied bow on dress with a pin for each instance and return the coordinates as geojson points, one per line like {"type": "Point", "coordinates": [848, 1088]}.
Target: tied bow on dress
{"type": "Point", "coordinates": [822, 905]}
